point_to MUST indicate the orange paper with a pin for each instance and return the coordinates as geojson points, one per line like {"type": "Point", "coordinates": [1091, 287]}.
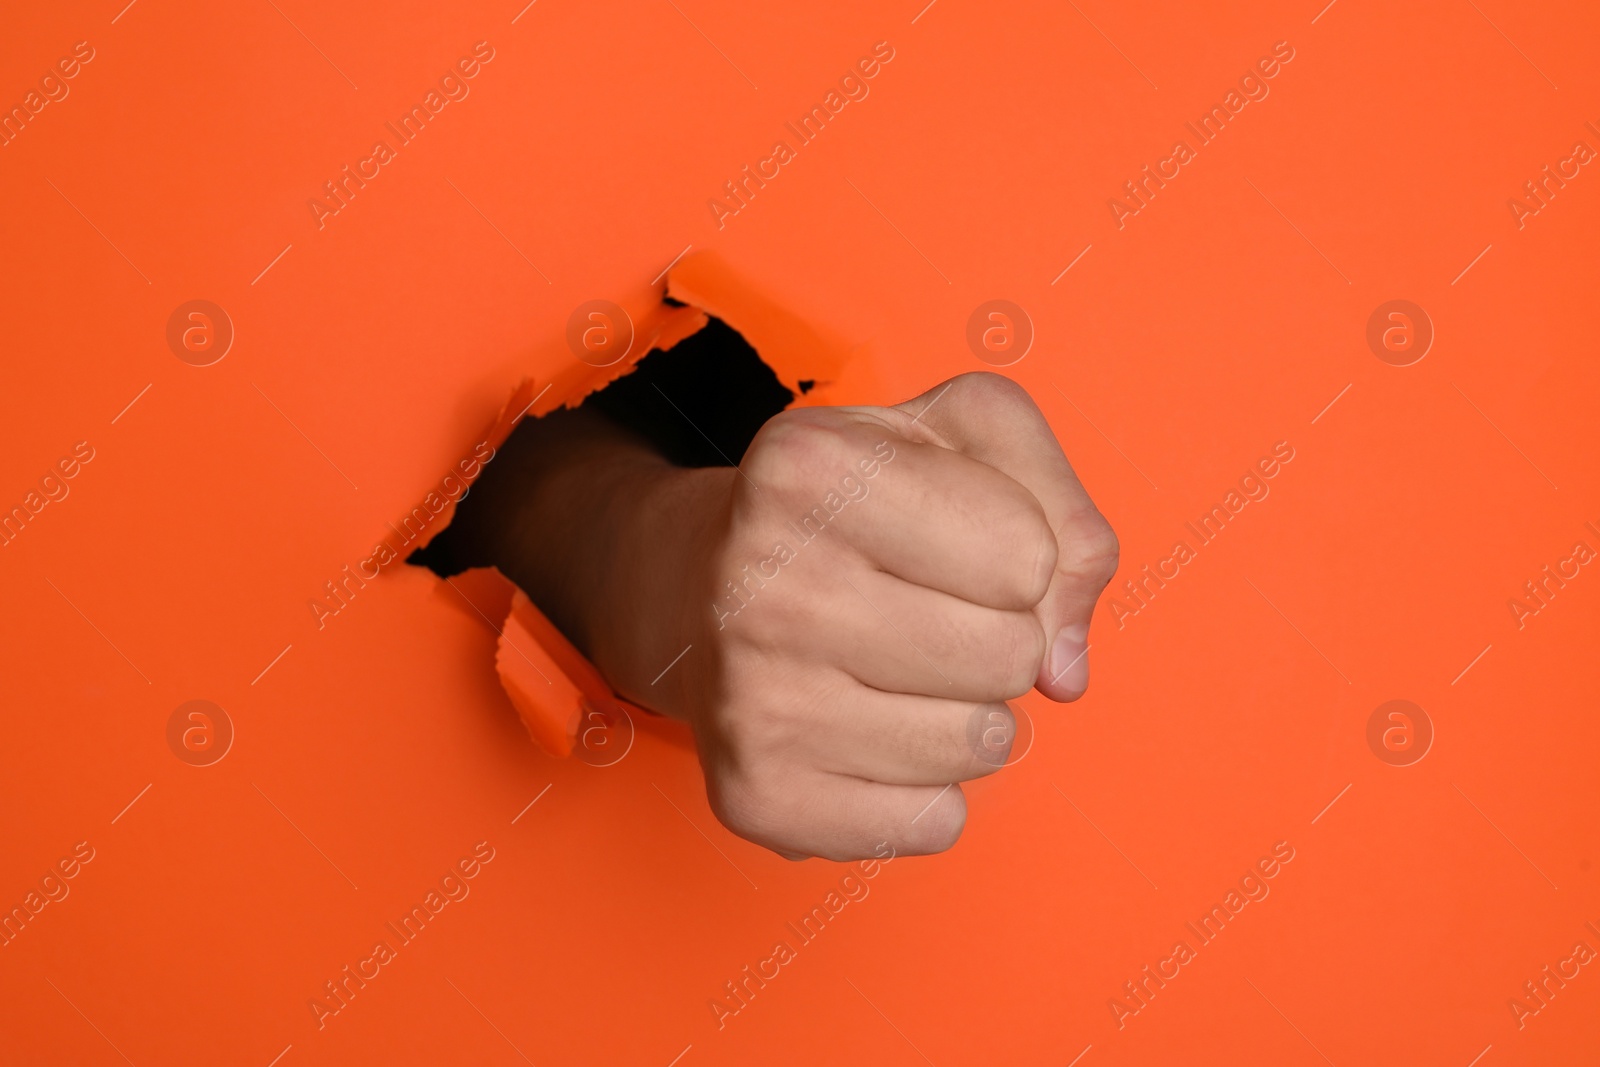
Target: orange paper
{"type": "Point", "coordinates": [1307, 295]}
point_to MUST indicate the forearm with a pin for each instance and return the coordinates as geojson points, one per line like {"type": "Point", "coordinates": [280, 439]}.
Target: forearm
{"type": "Point", "coordinates": [598, 531]}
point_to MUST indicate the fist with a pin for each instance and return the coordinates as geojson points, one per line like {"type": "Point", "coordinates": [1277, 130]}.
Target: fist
{"type": "Point", "coordinates": [878, 582]}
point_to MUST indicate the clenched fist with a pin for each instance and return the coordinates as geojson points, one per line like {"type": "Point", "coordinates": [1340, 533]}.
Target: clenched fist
{"type": "Point", "coordinates": [857, 599]}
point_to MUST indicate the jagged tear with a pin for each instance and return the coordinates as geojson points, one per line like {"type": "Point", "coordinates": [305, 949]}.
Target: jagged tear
{"type": "Point", "coordinates": [698, 346]}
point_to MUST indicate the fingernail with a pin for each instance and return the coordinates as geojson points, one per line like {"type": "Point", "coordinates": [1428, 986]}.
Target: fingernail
{"type": "Point", "coordinates": [1069, 660]}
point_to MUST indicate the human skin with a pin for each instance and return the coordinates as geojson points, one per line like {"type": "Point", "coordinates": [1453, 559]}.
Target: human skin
{"type": "Point", "coordinates": [836, 709]}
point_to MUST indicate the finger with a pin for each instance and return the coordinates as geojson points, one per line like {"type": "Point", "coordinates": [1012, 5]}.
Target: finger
{"type": "Point", "coordinates": [993, 420]}
{"type": "Point", "coordinates": [904, 638]}
{"type": "Point", "coordinates": [898, 739]}
{"type": "Point", "coordinates": [922, 512]}
{"type": "Point", "coordinates": [838, 817]}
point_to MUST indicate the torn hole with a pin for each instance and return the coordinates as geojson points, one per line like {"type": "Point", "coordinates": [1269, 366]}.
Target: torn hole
{"type": "Point", "coordinates": [698, 404]}
{"type": "Point", "coordinates": [696, 398]}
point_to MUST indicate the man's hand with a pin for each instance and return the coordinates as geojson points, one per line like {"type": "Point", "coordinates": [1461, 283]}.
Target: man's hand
{"type": "Point", "coordinates": [858, 599]}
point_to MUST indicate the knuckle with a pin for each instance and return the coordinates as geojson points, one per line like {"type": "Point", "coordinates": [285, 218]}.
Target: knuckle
{"type": "Point", "coordinates": [1019, 547]}
{"type": "Point", "coordinates": [991, 732]}
{"type": "Point", "coordinates": [795, 447]}
{"type": "Point", "coordinates": [1093, 551]}
{"type": "Point", "coordinates": [939, 828]}
{"type": "Point", "coordinates": [1024, 652]}
{"type": "Point", "coordinates": [1025, 548]}
{"type": "Point", "coordinates": [989, 388]}
{"type": "Point", "coordinates": [1038, 544]}
{"type": "Point", "coordinates": [742, 806]}
{"type": "Point", "coordinates": [1003, 655]}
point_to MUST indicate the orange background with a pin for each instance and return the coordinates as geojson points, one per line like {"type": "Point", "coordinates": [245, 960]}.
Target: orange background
{"type": "Point", "coordinates": [1223, 718]}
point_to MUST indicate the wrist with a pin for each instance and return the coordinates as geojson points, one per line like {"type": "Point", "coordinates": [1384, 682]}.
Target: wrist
{"type": "Point", "coordinates": [650, 603]}
{"type": "Point", "coordinates": [613, 543]}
